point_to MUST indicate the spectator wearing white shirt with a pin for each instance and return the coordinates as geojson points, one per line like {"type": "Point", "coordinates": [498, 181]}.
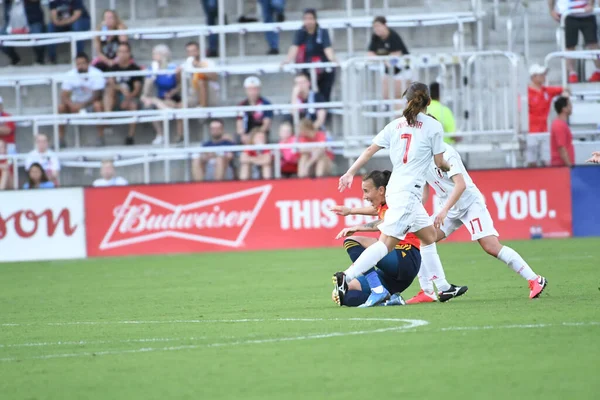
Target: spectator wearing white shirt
{"type": "Point", "coordinates": [109, 176]}
{"type": "Point", "coordinates": [45, 157]}
{"type": "Point", "coordinates": [82, 94]}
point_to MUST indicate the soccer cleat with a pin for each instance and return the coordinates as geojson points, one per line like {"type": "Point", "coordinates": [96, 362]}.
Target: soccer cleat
{"type": "Point", "coordinates": [537, 286]}
{"type": "Point", "coordinates": [376, 298]}
{"type": "Point", "coordinates": [340, 286]}
{"type": "Point", "coordinates": [573, 78]}
{"type": "Point", "coordinates": [454, 291]}
{"type": "Point", "coordinates": [421, 297]}
{"type": "Point", "coordinates": [395, 300]}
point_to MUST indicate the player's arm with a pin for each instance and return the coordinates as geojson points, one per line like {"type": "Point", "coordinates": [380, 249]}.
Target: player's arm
{"type": "Point", "coordinates": [346, 179]}
{"type": "Point", "coordinates": [369, 227]}
{"type": "Point", "coordinates": [459, 189]}
{"type": "Point", "coordinates": [440, 162]}
{"type": "Point", "coordinates": [344, 211]}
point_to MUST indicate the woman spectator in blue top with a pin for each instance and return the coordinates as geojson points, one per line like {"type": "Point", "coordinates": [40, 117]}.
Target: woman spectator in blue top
{"type": "Point", "coordinates": [37, 178]}
{"type": "Point", "coordinates": [163, 91]}
{"type": "Point", "coordinates": [35, 20]}
{"type": "Point", "coordinates": [312, 44]}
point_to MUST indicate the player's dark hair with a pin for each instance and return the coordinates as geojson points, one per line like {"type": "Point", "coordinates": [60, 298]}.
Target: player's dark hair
{"type": "Point", "coordinates": [434, 90]}
{"type": "Point", "coordinates": [381, 19]}
{"type": "Point", "coordinates": [561, 103]}
{"type": "Point", "coordinates": [418, 100]}
{"type": "Point", "coordinates": [43, 178]}
{"type": "Point", "coordinates": [82, 54]}
{"type": "Point", "coordinates": [192, 43]}
{"type": "Point", "coordinates": [379, 178]}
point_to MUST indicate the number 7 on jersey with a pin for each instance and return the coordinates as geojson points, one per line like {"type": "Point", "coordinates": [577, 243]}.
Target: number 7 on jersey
{"type": "Point", "coordinates": [408, 138]}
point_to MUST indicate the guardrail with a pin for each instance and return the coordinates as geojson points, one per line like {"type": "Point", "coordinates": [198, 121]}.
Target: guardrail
{"type": "Point", "coordinates": [564, 55]}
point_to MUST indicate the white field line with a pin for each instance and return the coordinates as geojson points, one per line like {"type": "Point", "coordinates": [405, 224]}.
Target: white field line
{"type": "Point", "coordinates": [88, 342]}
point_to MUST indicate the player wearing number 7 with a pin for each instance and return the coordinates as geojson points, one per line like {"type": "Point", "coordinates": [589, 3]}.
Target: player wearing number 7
{"type": "Point", "coordinates": [470, 210]}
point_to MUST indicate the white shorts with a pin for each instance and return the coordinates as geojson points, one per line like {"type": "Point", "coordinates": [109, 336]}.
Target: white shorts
{"type": "Point", "coordinates": [476, 219]}
{"type": "Point", "coordinates": [405, 214]}
{"type": "Point", "coordinates": [538, 149]}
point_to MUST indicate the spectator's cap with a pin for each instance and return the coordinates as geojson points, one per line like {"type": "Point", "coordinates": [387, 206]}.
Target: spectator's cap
{"type": "Point", "coordinates": [537, 69]}
{"type": "Point", "coordinates": [251, 81]}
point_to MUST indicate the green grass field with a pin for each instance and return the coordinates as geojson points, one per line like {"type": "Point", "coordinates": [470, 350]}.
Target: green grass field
{"type": "Point", "coordinates": [262, 325]}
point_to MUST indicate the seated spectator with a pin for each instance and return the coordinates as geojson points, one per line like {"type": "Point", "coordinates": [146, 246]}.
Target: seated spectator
{"type": "Point", "coordinates": [561, 137]}
{"type": "Point", "coordinates": [312, 44]}
{"type": "Point", "coordinates": [8, 130]}
{"type": "Point", "coordinates": [387, 42]}
{"type": "Point", "coordinates": [35, 25]}
{"type": "Point", "coordinates": [82, 94]}
{"type": "Point", "coordinates": [219, 161]}
{"type": "Point", "coordinates": [272, 11]}
{"type": "Point", "coordinates": [65, 16]}
{"type": "Point", "coordinates": [45, 157]}
{"type": "Point", "coordinates": [211, 11]}
{"type": "Point", "coordinates": [163, 91]}
{"type": "Point", "coordinates": [6, 169]}
{"type": "Point", "coordinates": [124, 92]}
{"type": "Point", "coordinates": [289, 157]}
{"type": "Point", "coordinates": [440, 112]}
{"type": "Point", "coordinates": [107, 46]}
{"type": "Point", "coordinates": [318, 160]}
{"type": "Point", "coordinates": [109, 176]}
{"type": "Point", "coordinates": [199, 88]}
{"type": "Point", "coordinates": [250, 120]}
{"type": "Point", "coordinates": [260, 161]}
{"type": "Point", "coordinates": [37, 178]}
{"type": "Point", "coordinates": [302, 94]}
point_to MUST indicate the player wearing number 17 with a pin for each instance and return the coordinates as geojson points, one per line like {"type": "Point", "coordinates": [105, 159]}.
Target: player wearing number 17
{"type": "Point", "coordinates": [414, 141]}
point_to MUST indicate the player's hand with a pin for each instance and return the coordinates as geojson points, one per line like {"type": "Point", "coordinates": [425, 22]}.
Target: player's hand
{"type": "Point", "coordinates": [341, 210]}
{"type": "Point", "coordinates": [346, 232]}
{"type": "Point", "coordinates": [345, 182]}
{"type": "Point", "coordinates": [595, 159]}
{"type": "Point", "coordinates": [439, 219]}
{"type": "Point", "coordinates": [555, 15]}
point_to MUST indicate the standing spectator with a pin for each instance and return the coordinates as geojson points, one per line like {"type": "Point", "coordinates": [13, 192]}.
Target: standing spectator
{"type": "Point", "coordinates": [107, 46]}
{"type": "Point", "coordinates": [312, 44]}
{"type": "Point", "coordinates": [109, 176]}
{"type": "Point", "coordinates": [289, 157]}
{"type": "Point", "coordinates": [387, 42]}
{"type": "Point", "coordinates": [303, 94]}
{"type": "Point", "coordinates": [200, 81]}
{"type": "Point", "coordinates": [37, 178]}
{"type": "Point", "coordinates": [585, 23]}
{"type": "Point", "coordinates": [219, 161]}
{"type": "Point", "coordinates": [440, 112]}
{"type": "Point", "coordinates": [7, 129]}
{"type": "Point", "coordinates": [250, 120]}
{"type": "Point", "coordinates": [124, 91]}
{"type": "Point", "coordinates": [273, 11]}
{"type": "Point", "coordinates": [320, 159]}
{"type": "Point", "coordinates": [45, 157]}
{"type": "Point", "coordinates": [259, 160]}
{"type": "Point", "coordinates": [36, 24]}
{"type": "Point", "coordinates": [6, 170]}
{"type": "Point", "coordinates": [539, 98]}
{"type": "Point", "coordinates": [65, 16]}
{"type": "Point", "coordinates": [561, 137]}
{"type": "Point", "coordinates": [82, 94]}
{"type": "Point", "coordinates": [211, 11]}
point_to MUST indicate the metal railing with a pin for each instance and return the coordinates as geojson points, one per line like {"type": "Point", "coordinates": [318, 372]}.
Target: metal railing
{"type": "Point", "coordinates": [564, 55]}
{"type": "Point", "coordinates": [517, 24]}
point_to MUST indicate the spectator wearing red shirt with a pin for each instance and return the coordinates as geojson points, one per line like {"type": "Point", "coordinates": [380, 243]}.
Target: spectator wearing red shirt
{"type": "Point", "coordinates": [260, 161]}
{"type": "Point", "coordinates": [318, 159]}
{"type": "Point", "coordinates": [289, 157]}
{"type": "Point", "coordinates": [561, 137]}
{"type": "Point", "coordinates": [7, 129]}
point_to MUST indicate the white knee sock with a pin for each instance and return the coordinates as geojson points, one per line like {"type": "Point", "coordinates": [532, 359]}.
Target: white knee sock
{"type": "Point", "coordinates": [511, 258]}
{"type": "Point", "coordinates": [424, 279]}
{"type": "Point", "coordinates": [371, 256]}
{"type": "Point", "coordinates": [433, 267]}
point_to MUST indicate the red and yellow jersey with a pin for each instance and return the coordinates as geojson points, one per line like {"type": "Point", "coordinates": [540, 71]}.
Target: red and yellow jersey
{"type": "Point", "coordinates": [410, 240]}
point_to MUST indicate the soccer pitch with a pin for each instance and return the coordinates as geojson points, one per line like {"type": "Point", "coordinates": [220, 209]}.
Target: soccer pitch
{"type": "Point", "coordinates": [261, 325]}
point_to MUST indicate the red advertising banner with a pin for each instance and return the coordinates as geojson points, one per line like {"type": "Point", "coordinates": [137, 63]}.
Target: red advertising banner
{"type": "Point", "coordinates": [259, 215]}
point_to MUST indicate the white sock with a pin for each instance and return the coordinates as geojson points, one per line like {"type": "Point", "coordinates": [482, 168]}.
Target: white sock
{"type": "Point", "coordinates": [371, 256]}
{"type": "Point", "coordinates": [433, 266]}
{"type": "Point", "coordinates": [511, 258]}
{"type": "Point", "coordinates": [424, 279]}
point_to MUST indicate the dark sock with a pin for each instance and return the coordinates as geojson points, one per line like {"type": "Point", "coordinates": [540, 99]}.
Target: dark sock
{"type": "Point", "coordinates": [355, 298]}
{"type": "Point", "coordinates": [353, 248]}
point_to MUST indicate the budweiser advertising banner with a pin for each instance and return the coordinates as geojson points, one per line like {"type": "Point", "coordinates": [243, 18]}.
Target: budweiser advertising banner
{"type": "Point", "coordinates": [42, 224]}
{"type": "Point", "coordinates": [259, 215]}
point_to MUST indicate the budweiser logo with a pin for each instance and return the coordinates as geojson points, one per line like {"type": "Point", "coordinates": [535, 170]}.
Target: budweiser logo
{"type": "Point", "coordinates": [223, 220]}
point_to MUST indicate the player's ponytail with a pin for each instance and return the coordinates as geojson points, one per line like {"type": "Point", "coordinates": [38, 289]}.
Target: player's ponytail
{"type": "Point", "coordinates": [379, 178]}
{"type": "Point", "coordinates": [418, 99]}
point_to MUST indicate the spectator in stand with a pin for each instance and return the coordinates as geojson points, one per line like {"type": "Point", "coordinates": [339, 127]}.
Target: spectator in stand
{"type": "Point", "coordinates": [561, 137]}
{"type": "Point", "coordinates": [65, 16]}
{"type": "Point", "coordinates": [8, 130]}
{"type": "Point", "coordinates": [585, 23]}
{"type": "Point", "coordinates": [303, 94]}
{"type": "Point", "coordinates": [82, 94]}
{"type": "Point", "coordinates": [219, 161]}
{"type": "Point", "coordinates": [211, 11]}
{"type": "Point", "coordinates": [387, 42]}
{"type": "Point", "coordinates": [539, 99]}
{"type": "Point", "coordinates": [312, 44]}
{"type": "Point", "coordinates": [440, 112]}
{"type": "Point", "coordinates": [259, 161]}
{"type": "Point", "coordinates": [37, 178]}
{"type": "Point", "coordinates": [200, 81]}
{"type": "Point", "coordinates": [6, 170]}
{"type": "Point", "coordinates": [107, 46]}
{"type": "Point", "coordinates": [319, 160]}
{"type": "Point", "coordinates": [45, 157]}
{"type": "Point", "coordinates": [166, 87]}
{"type": "Point", "coordinates": [595, 158]}
{"type": "Point", "coordinates": [109, 176]}
{"type": "Point", "coordinates": [273, 11]}
{"type": "Point", "coordinates": [124, 92]}
{"type": "Point", "coordinates": [289, 157]}
{"type": "Point", "coordinates": [250, 120]}
{"type": "Point", "coordinates": [36, 24]}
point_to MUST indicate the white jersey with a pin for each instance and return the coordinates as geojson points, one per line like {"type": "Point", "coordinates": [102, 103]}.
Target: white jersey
{"type": "Point", "coordinates": [562, 6]}
{"type": "Point", "coordinates": [82, 89]}
{"type": "Point", "coordinates": [443, 184]}
{"type": "Point", "coordinates": [411, 151]}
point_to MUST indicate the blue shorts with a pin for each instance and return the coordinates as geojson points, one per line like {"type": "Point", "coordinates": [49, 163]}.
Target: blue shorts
{"type": "Point", "coordinates": [397, 270]}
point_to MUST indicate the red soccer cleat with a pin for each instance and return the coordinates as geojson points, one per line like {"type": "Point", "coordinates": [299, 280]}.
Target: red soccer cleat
{"type": "Point", "coordinates": [595, 77]}
{"type": "Point", "coordinates": [536, 286]}
{"type": "Point", "coordinates": [422, 297]}
{"type": "Point", "coordinates": [573, 78]}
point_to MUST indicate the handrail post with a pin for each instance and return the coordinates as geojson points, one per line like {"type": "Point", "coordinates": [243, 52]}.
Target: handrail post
{"type": "Point", "coordinates": [185, 101]}
{"type": "Point", "coordinates": [277, 164]}
{"type": "Point", "coordinates": [55, 113]}
{"type": "Point", "coordinates": [221, 20]}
